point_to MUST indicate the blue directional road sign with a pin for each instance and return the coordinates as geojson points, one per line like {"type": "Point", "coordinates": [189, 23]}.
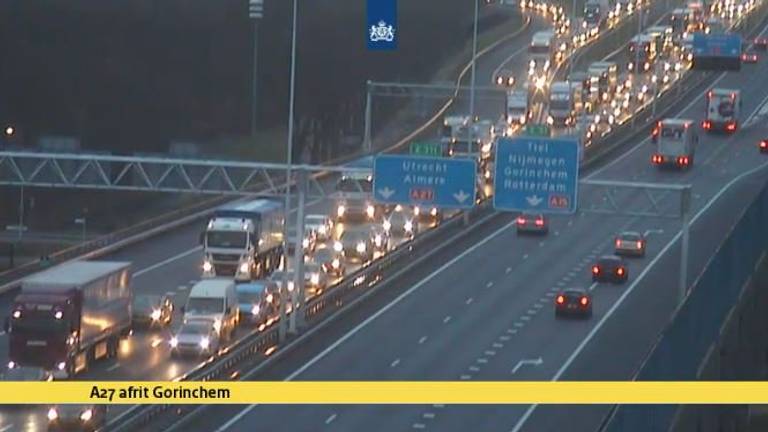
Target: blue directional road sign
{"type": "Point", "coordinates": [417, 180]}
{"type": "Point", "coordinates": [536, 174]}
{"type": "Point", "coordinates": [716, 45]}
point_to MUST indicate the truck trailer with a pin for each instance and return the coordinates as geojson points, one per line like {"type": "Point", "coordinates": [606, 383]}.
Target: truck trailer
{"type": "Point", "coordinates": [71, 315]}
{"type": "Point", "coordinates": [244, 240]}
{"type": "Point", "coordinates": [723, 110]}
{"type": "Point", "coordinates": [676, 142]}
{"type": "Point", "coordinates": [561, 104]}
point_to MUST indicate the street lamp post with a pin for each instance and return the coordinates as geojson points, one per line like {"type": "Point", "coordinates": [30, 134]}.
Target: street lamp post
{"type": "Point", "coordinates": [255, 12]}
{"type": "Point", "coordinates": [283, 296]}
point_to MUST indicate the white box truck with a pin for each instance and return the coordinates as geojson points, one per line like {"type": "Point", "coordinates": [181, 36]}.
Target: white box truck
{"type": "Point", "coordinates": [676, 141]}
{"type": "Point", "coordinates": [518, 110]}
{"type": "Point", "coordinates": [214, 300]}
{"type": "Point", "coordinates": [561, 104]}
{"type": "Point", "coordinates": [723, 110]}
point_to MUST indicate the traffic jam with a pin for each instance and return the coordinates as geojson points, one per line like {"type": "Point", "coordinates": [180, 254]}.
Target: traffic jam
{"type": "Point", "coordinates": [246, 273]}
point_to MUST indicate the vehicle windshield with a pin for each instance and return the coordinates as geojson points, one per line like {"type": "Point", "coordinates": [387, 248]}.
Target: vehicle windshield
{"type": "Point", "coordinates": [204, 305]}
{"type": "Point", "coordinates": [35, 321]}
{"type": "Point", "coordinates": [591, 14]}
{"type": "Point", "coordinates": [539, 49]}
{"type": "Point", "coordinates": [672, 133]}
{"type": "Point", "coordinates": [250, 296]}
{"type": "Point", "coordinates": [23, 374]}
{"type": "Point", "coordinates": [227, 239]}
{"type": "Point", "coordinates": [348, 184]}
{"type": "Point", "coordinates": [196, 328]}
{"type": "Point", "coordinates": [630, 237]}
{"type": "Point", "coordinates": [562, 102]}
{"type": "Point", "coordinates": [145, 302]}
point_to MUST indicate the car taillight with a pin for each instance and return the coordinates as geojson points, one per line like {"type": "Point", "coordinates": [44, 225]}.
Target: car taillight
{"type": "Point", "coordinates": [584, 301]}
{"type": "Point", "coordinates": [763, 144]}
{"type": "Point", "coordinates": [731, 127]}
{"type": "Point", "coordinates": [682, 160]}
{"type": "Point", "coordinates": [560, 299]}
{"type": "Point", "coordinates": [618, 243]}
{"type": "Point", "coordinates": [520, 221]}
{"type": "Point", "coordinates": [620, 271]}
{"type": "Point", "coordinates": [639, 245]}
{"type": "Point", "coordinates": [595, 269]}
{"type": "Point", "coordinates": [706, 124]}
{"type": "Point", "coordinates": [539, 222]}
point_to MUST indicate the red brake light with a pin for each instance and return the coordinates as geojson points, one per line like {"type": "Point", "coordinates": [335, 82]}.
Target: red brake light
{"type": "Point", "coordinates": [709, 94]}
{"type": "Point", "coordinates": [639, 245]}
{"type": "Point", "coordinates": [560, 299]}
{"type": "Point", "coordinates": [539, 222]}
{"type": "Point", "coordinates": [763, 143]}
{"type": "Point", "coordinates": [731, 126]}
{"type": "Point", "coordinates": [595, 269]}
{"type": "Point", "coordinates": [520, 220]}
{"type": "Point", "coordinates": [584, 301]}
{"type": "Point", "coordinates": [618, 242]}
{"type": "Point", "coordinates": [620, 271]}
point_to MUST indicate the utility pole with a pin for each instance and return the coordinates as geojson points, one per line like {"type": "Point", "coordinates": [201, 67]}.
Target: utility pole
{"type": "Point", "coordinates": [255, 12]}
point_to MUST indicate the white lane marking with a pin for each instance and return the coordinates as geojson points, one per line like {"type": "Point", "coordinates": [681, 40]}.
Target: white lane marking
{"type": "Point", "coordinates": [512, 331]}
{"type": "Point", "coordinates": [504, 338]}
{"type": "Point", "coordinates": [541, 244]}
{"type": "Point", "coordinates": [489, 284]}
{"type": "Point", "coordinates": [170, 293]}
{"type": "Point", "coordinates": [192, 282]}
{"type": "Point", "coordinates": [371, 318]}
{"type": "Point", "coordinates": [166, 261]}
{"type": "Point", "coordinates": [422, 340]}
{"type": "Point", "coordinates": [525, 256]}
{"type": "Point", "coordinates": [538, 305]}
{"type": "Point", "coordinates": [419, 426]}
{"type": "Point", "coordinates": [482, 360]}
{"type": "Point", "coordinates": [631, 288]}
{"type": "Point", "coordinates": [498, 345]}
{"type": "Point", "coordinates": [465, 377]}
{"type": "Point", "coordinates": [2, 333]}
{"type": "Point", "coordinates": [652, 231]}
{"type": "Point", "coordinates": [182, 288]}
{"type": "Point", "coordinates": [525, 318]}
{"type": "Point", "coordinates": [446, 319]}
{"type": "Point", "coordinates": [395, 363]}
{"type": "Point", "coordinates": [570, 222]}
{"type": "Point", "coordinates": [428, 415]}
{"type": "Point", "coordinates": [438, 405]}
{"type": "Point", "coordinates": [557, 233]}
{"type": "Point", "coordinates": [593, 286]}
{"type": "Point", "coordinates": [330, 419]}
{"type": "Point", "coordinates": [6, 427]}
{"type": "Point", "coordinates": [532, 312]}
{"type": "Point", "coordinates": [490, 353]}
{"type": "Point", "coordinates": [474, 369]}
{"type": "Point", "coordinates": [469, 300]}
{"type": "Point", "coordinates": [509, 269]}
{"type": "Point", "coordinates": [113, 367]}
{"type": "Point", "coordinates": [560, 283]}
{"type": "Point", "coordinates": [529, 362]}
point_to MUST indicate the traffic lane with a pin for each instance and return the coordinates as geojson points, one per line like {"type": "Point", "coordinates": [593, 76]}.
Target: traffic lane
{"type": "Point", "coordinates": [468, 326]}
{"type": "Point", "coordinates": [28, 419]}
{"type": "Point", "coordinates": [642, 315]}
{"type": "Point", "coordinates": [636, 163]}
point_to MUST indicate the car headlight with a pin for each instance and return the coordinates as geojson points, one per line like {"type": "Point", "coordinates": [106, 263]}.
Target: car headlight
{"type": "Point", "coordinates": [53, 414]}
{"type": "Point", "coordinates": [174, 342]}
{"type": "Point", "coordinates": [86, 415]}
{"type": "Point", "coordinates": [305, 243]}
{"type": "Point", "coordinates": [550, 120]}
{"type": "Point", "coordinates": [361, 247]}
{"type": "Point", "coordinates": [244, 267]}
{"type": "Point", "coordinates": [433, 212]}
{"type": "Point", "coordinates": [270, 297]}
{"type": "Point", "coordinates": [314, 279]}
{"type": "Point", "coordinates": [340, 210]}
{"type": "Point", "coordinates": [337, 246]}
{"type": "Point", "coordinates": [205, 343]}
{"type": "Point", "coordinates": [207, 266]}
{"type": "Point", "coordinates": [217, 325]}
{"type": "Point", "coordinates": [336, 263]}
{"type": "Point", "coordinates": [408, 226]}
{"type": "Point", "coordinates": [486, 148]}
{"type": "Point", "coordinates": [290, 285]}
{"type": "Point", "coordinates": [322, 230]}
{"type": "Point", "coordinates": [416, 210]}
{"type": "Point", "coordinates": [155, 314]}
{"type": "Point", "coordinates": [522, 119]}
{"type": "Point", "coordinates": [378, 240]}
{"type": "Point", "coordinates": [370, 211]}
{"type": "Point", "coordinates": [387, 225]}
{"type": "Point", "coordinates": [255, 310]}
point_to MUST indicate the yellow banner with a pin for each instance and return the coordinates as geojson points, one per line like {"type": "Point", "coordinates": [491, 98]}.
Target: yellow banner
{"type": "Point", "coordinates": [393, 392]}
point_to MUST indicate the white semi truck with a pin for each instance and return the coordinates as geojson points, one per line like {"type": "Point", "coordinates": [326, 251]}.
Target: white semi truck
{"type": "Point", "coordinates": [676, 141]}
{"type": "Point", "coordinates": [244, 240]}
{"type": "Point", "coordinates": [518, 107]}
{"type": "Point", "coordinates": [723, 110]}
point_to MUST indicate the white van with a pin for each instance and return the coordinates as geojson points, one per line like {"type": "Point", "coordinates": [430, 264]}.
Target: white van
{"type": "Point", "coordinates": [216, 300]}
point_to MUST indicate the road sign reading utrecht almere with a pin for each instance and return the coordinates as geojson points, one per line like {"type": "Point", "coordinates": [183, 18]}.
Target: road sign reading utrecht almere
{"type": "Point", "coordinates": [417, 180]}
{"type": "Point", "coordinates": [536, 174]}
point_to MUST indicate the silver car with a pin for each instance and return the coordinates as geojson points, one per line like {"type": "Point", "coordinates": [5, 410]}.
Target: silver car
{"type": "Point", "coordinates": [401, 222]}
{"type": "Point", "coordinates": [356, 244]}
{"type": "Point", "coordinates": [316, 278]}
{"type": "Point", "coordinates": [196, 338]}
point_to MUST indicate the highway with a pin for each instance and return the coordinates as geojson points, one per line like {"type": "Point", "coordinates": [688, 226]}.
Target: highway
{"type": "Point", "coordinates": [480, 324]}
{"type": "Point", "coordinates": [171, 263]}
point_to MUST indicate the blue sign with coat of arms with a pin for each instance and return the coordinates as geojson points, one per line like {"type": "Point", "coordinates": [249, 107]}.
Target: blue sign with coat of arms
{"type": "Point", "coordinates": [381, 31]}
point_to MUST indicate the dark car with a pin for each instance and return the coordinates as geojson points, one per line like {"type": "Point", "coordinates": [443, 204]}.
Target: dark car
{"type": "Point", "coordinates": [152, 310]}
{"type": "Point", "coordinates": [573, 302]}
{"type": "Point", "coordinates": [610, 268]}
{"type": "Point", "coordinates": [331, 260]}
{"type": "Point", "coordinates": [761, 43]}
{"type": "Point", "coordinates": [532, 223]}
{"type": "Point", "coordinates": [749, 57]}
{"type": "Point", "coordinates": [763, 146]}
{"type": "Point", "coordinates": [356, 244]}
{"type": "Point", "coordinates": [630, 243]}
{"type": "Point", "coordinates": [77, 417]}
